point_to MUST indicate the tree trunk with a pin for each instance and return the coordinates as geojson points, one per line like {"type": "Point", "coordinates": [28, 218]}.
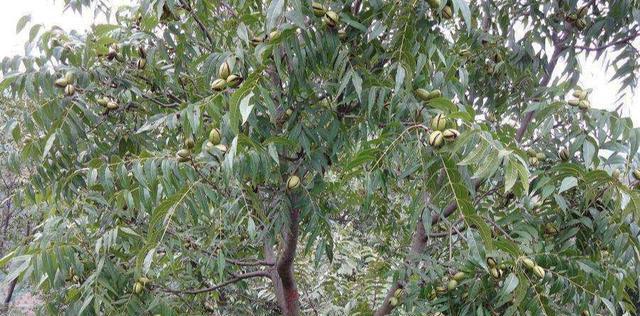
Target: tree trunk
{"type": "Point", "coordinates": [5, 227]}
{"type": "Point", "coordinates": [10, 289]}
{"type": "Point", "coordinates": [526, 120]}
{"type": "Point", "coordinates": [12, 285]}
{"type": "Point", "coordinates": [418, 246]}
{"type": "Point", "coordinates": [284, 265]}
{"type": "Point", "coordinates": [269, 255]}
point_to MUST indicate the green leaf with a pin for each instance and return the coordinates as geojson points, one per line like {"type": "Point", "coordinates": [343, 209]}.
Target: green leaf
{"type": "Point", "coordinates": [508, 286]}
{"type": "Point", "coordinates": [245, 108]}
{"type": "Point", "coordinates": [567, 183]}
{"type": "Point", "coordinates": [234, 102]}
{"type": "Point", "coordinates": [273, 13]}
{"type": "Point", "coordinates": [48, 145]}
{"type": "Point", "coordinates": [510, 176]}
{"type": "Point", "coordinates": [464, 9]}
{"type": "Point", "coordinates": [22, 22]}
{"type": "Point", "coordinates": [8, 79]}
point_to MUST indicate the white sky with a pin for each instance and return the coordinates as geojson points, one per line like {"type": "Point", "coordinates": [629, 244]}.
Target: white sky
{"type": "Point", "coordinates": [50, 12]}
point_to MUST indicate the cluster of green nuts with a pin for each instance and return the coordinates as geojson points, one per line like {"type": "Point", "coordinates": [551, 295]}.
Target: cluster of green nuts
{"type": "Point", "coordinates": [580, 100]}
{"type": "Point", "coordinates": [578, 18]}
{"type": "Point", "coordinates": [108, 103]}
{"type": "Point", "coordinates": [139, 286]}
{"type": "Point", "coordinates": [447, 11]}
{"type": "Point", "coordinates": [293, 182]}
{"type": "Point", "coordinates": [226, 78]}
{"type": "Point", "coordinates": [397, 296]}
{"type": "Point", "coordinates": [538, 270]}
{"type": "Point", "coordinates": [215, 137]}
{"type": "Point", "coordinates": [535, 157]}
{"type": "Point", "coordinates": [453, 282]}
{"type": "Point", "coordinates": [184, 154]}
{"type": "Point", "coordinates": [66, 83]}
{"type": "Point", "coordinates": [448, 285]}
{"type": "Point", "coordinates": [258, 39]}
{"type": "Point", "coordinates": [426, 96]}
{"type": "Point", "coordinates": [440, 131]}
{"type": "Point", "coordinates": [494, 269]}
{"type": "Point", "coordinates": [329, 18]}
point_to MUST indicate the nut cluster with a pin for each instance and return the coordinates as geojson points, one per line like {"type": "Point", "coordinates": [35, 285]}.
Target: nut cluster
{"type": "Point", "coordinates": [581, 100]}
{"type": "Point", "coordinates": [538, 270]}
{"type": "Point", "coordinates": [215, 137]}
{"type": "Point", "coordinates": [535, 157]}
{"type": "Point", "coordinates": [66, 83]}
{"type": "Point", "coordinates": [440, 132]}
{"type": "Point", "coordinates": [225, 78]}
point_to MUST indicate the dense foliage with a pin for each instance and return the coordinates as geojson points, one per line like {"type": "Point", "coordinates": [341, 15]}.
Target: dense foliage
{"type": "Point", "coordinates": [232, 157]}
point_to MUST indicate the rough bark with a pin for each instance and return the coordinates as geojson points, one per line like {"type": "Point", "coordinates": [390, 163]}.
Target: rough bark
{"type": "Point", "coordinates": [284, 265]}
{"type": "Point", "coordinates": [5, 227]}
{"type": "Point", "coordinates": [270, 256]}
{"type": "Point", "coordinates": [12, 285]}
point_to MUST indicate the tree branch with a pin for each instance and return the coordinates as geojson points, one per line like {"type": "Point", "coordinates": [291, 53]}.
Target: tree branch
{"type": "Point", "coordinates": [273, 274]}
{"type": "Point", "coordinates": [625, 40]}
{"type": "Point", "coordinates": [418, 245]}
{"type": "Point", "coordinates": [253, 263]}
{"type": "Point", "coordinates": [200, 24]}
{"type": "Point", "coordinates": [548, 71]}
{"type": "Point", "coordinates": [237, 278]}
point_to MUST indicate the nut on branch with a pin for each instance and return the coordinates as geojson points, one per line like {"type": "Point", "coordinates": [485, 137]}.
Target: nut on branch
{"type": "Point", "coordinates": [218, 84]}
{"type": "Point", "coordinates": [215, 136]}
{"type": "Point", "coordinates": [224, 71]}
{"type": "Point", "coordinates": [293, 182]}
{"type": "Point", "coordinates": [331, 19]}
{"type": "Point", "coordinates": [436, 139]}
{"type": "Point", "coordinates": [318, 9]}
{"type": "Point", "coordinates": [439, 122]}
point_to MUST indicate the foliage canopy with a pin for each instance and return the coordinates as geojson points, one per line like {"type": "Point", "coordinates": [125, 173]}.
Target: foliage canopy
{"type": "Point", "coordinates": [261, 157]}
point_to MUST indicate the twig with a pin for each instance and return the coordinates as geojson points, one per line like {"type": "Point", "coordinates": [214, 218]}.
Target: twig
{"type": "Point", "coordinates": [200, 24]}
{"type": "Point", "coordinates": [240, 277]}
{"type": "Point", "coordinates": [624, 40]}
{"type": "Point", "coordinates": [250, 263]}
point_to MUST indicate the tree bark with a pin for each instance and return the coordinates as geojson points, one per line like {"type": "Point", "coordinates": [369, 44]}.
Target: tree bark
{"type": "Point", "coordinates": [5, 226]}
{"type": "Point", "coordinates": [12, 285]}
{"type": "Point", "coordinates": [269, 255]}
{"type": "Point", "coordinates": [418, 246]}
{"type": "Point", "coordinates": [284, 265]}
{"type": "Point", "coordinates": [526, 120]}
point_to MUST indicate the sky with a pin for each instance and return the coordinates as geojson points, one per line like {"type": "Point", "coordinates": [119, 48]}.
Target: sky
{"type": "Point", "coordinates": [50, 12]}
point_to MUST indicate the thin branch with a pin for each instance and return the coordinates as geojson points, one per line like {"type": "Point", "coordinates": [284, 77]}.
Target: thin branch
{"type": "Point", "coordinates": [446, 234]}
{"type": "Point", "coordinates": [200, 24]}
{"type": "Point", "coordinates": [253, 263]}
{"type": "Point", "coordinates": [240, 277]}
{"type": "Point", "coordinates": [625, 40]}
{"type": "Point", "coordinates": [545, 79]}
